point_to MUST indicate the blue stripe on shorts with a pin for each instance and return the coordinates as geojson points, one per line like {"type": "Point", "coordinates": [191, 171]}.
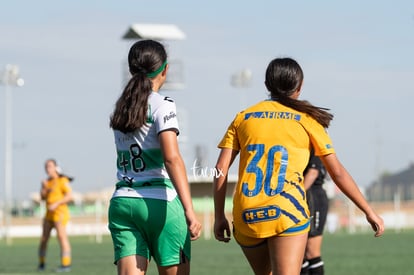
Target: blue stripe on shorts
{"type": "Point", "coordinates": [297, 228]}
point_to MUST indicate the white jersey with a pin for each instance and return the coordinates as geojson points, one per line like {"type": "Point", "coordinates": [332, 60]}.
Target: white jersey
{"type": "Point", "coordinates": [140, 164]}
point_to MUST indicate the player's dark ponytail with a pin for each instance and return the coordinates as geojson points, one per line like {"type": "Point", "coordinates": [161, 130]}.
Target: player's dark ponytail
{"type": "Point", "coordinates": [284, 76]}
{"type": "Point", "coordinates": [145, 57]}
{"type": "Point", "coordinates": [59, 169]}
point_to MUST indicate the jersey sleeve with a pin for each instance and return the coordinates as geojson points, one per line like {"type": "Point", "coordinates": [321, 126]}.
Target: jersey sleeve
{"type": "Point", "coordinates": [166, 117]}
{"type": "Point", "coordinates": [65, 185]}
{"type": "Point", "coordinates": [230, 138]}
{"type": "Point", "coordinates": [319, 137]}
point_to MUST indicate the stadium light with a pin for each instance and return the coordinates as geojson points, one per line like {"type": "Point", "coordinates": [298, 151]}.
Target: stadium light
{"type": "Point", "coordinates": [9, 77]}
{"type": "Point", "coordinates": [242, 80]}
{"type": "Point", "coordinates": [161, 32]}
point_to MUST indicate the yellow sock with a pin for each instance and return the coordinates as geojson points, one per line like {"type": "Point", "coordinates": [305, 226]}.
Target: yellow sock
{"type": "Point", "coordinates": [66, 260]}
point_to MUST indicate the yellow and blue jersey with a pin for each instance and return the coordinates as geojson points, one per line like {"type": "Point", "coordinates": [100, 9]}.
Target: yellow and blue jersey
{"type": "Point", "coordinates": [58, 188]}
{"type": "Point", "coordinates": [274, 142]}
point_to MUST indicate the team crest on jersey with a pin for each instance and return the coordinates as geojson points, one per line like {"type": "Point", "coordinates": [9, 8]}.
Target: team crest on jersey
{"type": "Point", "coordinates": [261, 214]}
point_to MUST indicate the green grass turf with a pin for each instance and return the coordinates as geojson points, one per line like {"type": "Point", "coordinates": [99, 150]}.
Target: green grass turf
{"type": "Point", "coordinates": [343, 253]}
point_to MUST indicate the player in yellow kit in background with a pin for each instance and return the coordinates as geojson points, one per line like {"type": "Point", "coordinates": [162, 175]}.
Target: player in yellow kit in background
{"type": "Point", "coordinates": [57, 193]}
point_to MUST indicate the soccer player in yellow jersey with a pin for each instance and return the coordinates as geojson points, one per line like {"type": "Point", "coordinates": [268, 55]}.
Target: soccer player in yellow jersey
{"type": "Point", "coordinates": [57, 192]}
{"type": "Point", "coordinates": [274, 139]}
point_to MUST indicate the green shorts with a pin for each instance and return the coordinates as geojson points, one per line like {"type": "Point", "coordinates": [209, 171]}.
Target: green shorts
{"type": "Point", "coordinates": [149, 228]}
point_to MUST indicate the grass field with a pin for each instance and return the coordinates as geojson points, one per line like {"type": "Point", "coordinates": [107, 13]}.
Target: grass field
{"type": "Point", "coordinates": [356, 254]}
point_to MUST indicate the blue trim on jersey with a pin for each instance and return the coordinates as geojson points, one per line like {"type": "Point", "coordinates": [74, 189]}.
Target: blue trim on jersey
{"type": "Point", "coordinates": [290, 216]}
{"type": "Point", "coordinates": [298, 187]}
{"type": "Point", "coordinates": [295, 203]}
{"type": "Point", "coordinates": [297, 228]}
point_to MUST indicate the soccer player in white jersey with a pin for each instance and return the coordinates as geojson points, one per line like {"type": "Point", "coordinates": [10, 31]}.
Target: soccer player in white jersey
{"type": "Point", "coordinates": [151, 213]}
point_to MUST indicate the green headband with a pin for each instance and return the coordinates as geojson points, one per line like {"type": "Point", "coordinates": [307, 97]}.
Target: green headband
{"type": "Point", "coordinates": [160, 69]}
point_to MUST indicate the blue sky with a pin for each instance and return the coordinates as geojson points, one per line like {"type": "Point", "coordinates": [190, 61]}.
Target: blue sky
{"type": "Point", "coordinates": [357, 57]}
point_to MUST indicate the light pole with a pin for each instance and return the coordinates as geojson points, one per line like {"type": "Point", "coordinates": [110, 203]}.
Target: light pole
{"type": "Point", "coordinates": [242, 79]}
{"type": "Point", "coordinates": [9, 77]}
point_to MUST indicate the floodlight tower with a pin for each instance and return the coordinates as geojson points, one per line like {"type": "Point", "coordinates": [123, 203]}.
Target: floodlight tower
{"type": "Point", "coordinates": [242, 79]}
{"type": "Point", "coordinates": [162, 33]}
{"type": "Point", "coordinates": [9, 77]}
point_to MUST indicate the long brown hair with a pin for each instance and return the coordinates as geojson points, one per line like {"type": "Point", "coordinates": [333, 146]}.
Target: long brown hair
{"type": "Point", "coordinates": [284, 76]}
{"type": "Point", "coordinates": [58, 169]}
{"type": "Point", "coordinates": [145, 57]}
